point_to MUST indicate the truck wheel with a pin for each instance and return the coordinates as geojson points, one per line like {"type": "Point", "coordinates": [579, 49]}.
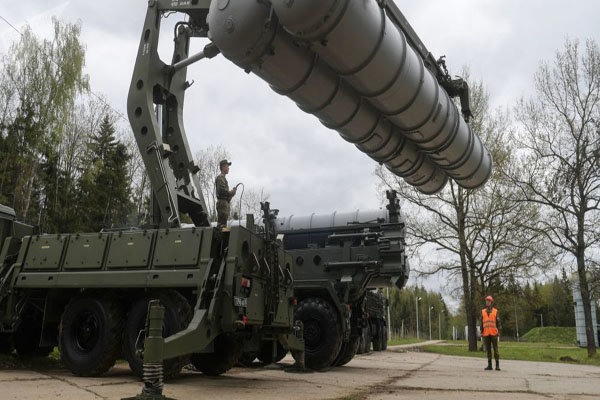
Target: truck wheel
{"type": "Point", "coordinates": [247, 359]}
{"type": "Point", "coordinates": [266, 353]}
{"type": "Point", "coordinates": [6, 343]}
{"type": "Point", "coordinates": [347, 352]}
{"type": "Point", "coordinates": [26, 339]}
{"type": "Point", "coordinates": [178, 314]}
{"type": "Point", "coordinates": [322, 332]}
{"type": "Point", "coordinates": [90, 335]}
{"type": "Point", "coordinates": [377, 337]}
{"type": "Point", "coordinates": [228, 350]}
{"type": "Point", "coordinates": [384, 339]}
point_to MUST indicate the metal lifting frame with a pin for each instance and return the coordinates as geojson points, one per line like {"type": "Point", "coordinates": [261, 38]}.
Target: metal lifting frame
{"type": "Point", "coordinates": [159, 132]}
{"type": "Point", "coordinates": [457, 87]}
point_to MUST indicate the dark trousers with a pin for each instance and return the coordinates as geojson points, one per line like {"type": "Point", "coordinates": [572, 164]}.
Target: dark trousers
{"type": "Point", "coordinates": [488, 343]}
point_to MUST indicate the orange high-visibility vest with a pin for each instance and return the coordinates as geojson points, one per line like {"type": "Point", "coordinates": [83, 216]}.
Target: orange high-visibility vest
{"type": "Point", "coordinates": [489, 322]}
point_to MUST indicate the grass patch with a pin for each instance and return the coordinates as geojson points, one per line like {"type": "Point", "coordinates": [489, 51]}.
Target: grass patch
{"type": "Point", "coordinates": [12, 361]}
{"type": "Point", "coordinates": [552, 334]}
{"type": "Point", "coordinates": [547, 352]}
{"type": "Point", "coordinates": [399, 341]}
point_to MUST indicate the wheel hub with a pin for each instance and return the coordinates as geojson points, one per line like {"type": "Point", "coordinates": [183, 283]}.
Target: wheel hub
{"type": "Point", "coordinates": [312, 333]}
{"type": "Point", "coordinates": [85, 332]}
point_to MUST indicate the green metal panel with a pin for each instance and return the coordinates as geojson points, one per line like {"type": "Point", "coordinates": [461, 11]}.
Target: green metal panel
{"type": "Point", "coordinates": [45, 252]}
{"type": "Point", "coordinates": [256, 303]}
{"type": "Point", "coordinates": [86, 251]}
{"type": "Point", "coordinates": [109, 279]}
{"type": "Point", "coordinates": [177, 247]}
{"type": "Point", "coordinates": [284, 311]}
{"type": "Point", "coordinates": [129, 250]}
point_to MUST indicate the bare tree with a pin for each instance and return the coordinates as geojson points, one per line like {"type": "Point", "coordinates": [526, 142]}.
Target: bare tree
{"type": "Point", "coordinates": [476, 234]}
{"type": "Point", "coordinates": [248, 201]}
{"type": "Point", "coordinates": [561, 138]}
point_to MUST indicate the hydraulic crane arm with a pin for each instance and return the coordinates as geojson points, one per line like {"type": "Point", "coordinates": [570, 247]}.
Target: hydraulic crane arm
{"type": "Point", "coordinates": [155, 108]}
{"type": "Point", "coordinates": [456, 87]}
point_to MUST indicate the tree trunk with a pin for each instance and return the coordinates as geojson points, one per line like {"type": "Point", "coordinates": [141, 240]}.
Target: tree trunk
{"type": "Point", "coordinates": [466, 272]}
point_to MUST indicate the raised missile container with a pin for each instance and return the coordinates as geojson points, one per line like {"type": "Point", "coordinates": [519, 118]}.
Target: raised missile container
{"type": "Point", "coordinates": [350, 65]}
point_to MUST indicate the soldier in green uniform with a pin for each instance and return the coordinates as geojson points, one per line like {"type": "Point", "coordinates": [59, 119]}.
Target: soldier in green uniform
{"type": "Point", "coordinates": [224, 195]}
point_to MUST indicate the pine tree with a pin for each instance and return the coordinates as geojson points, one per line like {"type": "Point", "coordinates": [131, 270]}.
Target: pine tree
{"type": "Point", "coordinates": [104, 186]}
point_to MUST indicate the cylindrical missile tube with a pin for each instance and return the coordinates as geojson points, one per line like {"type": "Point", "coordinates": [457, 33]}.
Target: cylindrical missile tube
{"type": "Point", "coordinates": [246, 34]}
{"type": "Point", "coordinates": [315, 231]}
{"type": "Point", "coordinates": [362, 45]}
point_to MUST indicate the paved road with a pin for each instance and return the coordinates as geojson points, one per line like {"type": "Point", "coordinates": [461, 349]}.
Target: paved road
{"type": "Point", "coordinates": [395, 374]}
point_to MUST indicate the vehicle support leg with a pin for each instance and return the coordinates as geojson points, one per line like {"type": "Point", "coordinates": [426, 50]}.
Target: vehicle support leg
{"type": "Point", "coordinates": [153, 355]}
{"type": "Point", "coordinates": [295, 343]}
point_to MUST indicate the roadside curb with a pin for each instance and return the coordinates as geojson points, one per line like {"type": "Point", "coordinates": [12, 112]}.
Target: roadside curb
{"type": "Point", "coordinates": [401, 348]}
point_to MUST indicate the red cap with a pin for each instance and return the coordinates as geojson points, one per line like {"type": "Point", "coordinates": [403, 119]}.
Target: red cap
{"type": "Point", "coordinates": [490, 298]}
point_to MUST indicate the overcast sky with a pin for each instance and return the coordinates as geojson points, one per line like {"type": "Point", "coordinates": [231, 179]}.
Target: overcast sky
{"type": "Point", "coordinates": [305, 167]}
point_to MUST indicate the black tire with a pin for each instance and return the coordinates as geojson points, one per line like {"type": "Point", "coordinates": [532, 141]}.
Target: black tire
{"type": "Point", "coordinates": [90, 335]}
{"type": "Point", "coordinates": [348, 351]}
{"type": "Point", "coordinates": [322, 332]}
{"type": "Point", "coordinates": [266, 353]}
{"type": "Point", "coordinates": [247, 359]}
{"type": "Point", "coordinates": [7, 344]}
{"type": "Point", "coordinates": [377, 337]}
{"type": "Point", "coordinates": [178, 314]}
{"type": "Point", "coordinates": [384, 339]}
{"type": "Point", "coordinates": [228, 350]}
{"type": "Point", "coordinates": [26, 339]}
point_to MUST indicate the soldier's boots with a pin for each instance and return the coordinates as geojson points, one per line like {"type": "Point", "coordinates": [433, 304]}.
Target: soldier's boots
{"type": "Point", "coordinates": [497, 365]}
{"type": "Point", "coordinates": [489, 367]}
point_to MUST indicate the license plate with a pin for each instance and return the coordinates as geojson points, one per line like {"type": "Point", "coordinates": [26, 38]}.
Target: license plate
{"type": "Point", "coordinates": [240, 301]}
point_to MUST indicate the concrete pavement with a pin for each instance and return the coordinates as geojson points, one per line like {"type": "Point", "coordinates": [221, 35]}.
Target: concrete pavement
{"type": "Point", "coordinates": [376, 376]}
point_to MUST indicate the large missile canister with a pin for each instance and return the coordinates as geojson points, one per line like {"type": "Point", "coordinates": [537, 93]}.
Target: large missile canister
{"type": "Point", "coordinates": [314, 230]}
{"type": "Point", "coordinates": [331, 221]}
{"type": "Point", "coordinates": [362, 45]}
{"type": "Point", "coordinates": [246, 34]}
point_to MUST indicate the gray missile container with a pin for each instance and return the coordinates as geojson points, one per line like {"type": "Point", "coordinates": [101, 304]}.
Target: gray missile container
{"type": "Point", "coordinates": [347, 63]}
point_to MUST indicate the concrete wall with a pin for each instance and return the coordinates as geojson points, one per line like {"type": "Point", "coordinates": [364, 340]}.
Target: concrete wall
{"type": "Point", "coordinates": [579, 316]}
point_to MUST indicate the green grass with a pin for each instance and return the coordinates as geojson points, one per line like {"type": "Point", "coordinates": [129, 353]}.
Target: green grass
{"type": "Point", "coordinates": [399, 341]}
{"type": "Point", "coordinates": [12, 361]}
{"type": "Point", "coordinates": [552, 334]}
{"type": "Point", "coordinates": [547, 352]}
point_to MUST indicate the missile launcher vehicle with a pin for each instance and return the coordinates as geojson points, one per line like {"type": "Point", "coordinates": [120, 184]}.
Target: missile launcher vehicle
{"type": "Point", "coordinates": [223, 292]}
{"type": "Point", "coordinates": [356, 65]}
{"type": "Point", "coordinates": [337, 259]}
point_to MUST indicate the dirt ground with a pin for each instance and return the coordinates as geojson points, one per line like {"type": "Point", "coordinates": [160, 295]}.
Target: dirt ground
{"type": "Point", "coordinates": [395, 374]}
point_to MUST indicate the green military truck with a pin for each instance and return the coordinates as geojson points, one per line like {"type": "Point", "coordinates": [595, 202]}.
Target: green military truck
{"type": "Point", "coordinates": [224, 292]}
{"type": "Point", "coordinates": [337, 259]}
{"type": "Point", "coordinates": [375, 331]}
{"type": "Point", "coordinates": [221, 292]}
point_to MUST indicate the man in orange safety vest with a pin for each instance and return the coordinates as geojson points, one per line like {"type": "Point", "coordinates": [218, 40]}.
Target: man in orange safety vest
{"type": "Point", "coordinates": [490, 330]}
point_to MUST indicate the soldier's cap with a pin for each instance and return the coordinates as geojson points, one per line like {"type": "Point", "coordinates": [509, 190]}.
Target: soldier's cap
{"type": "Point", "coordinates": [224, 162]}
